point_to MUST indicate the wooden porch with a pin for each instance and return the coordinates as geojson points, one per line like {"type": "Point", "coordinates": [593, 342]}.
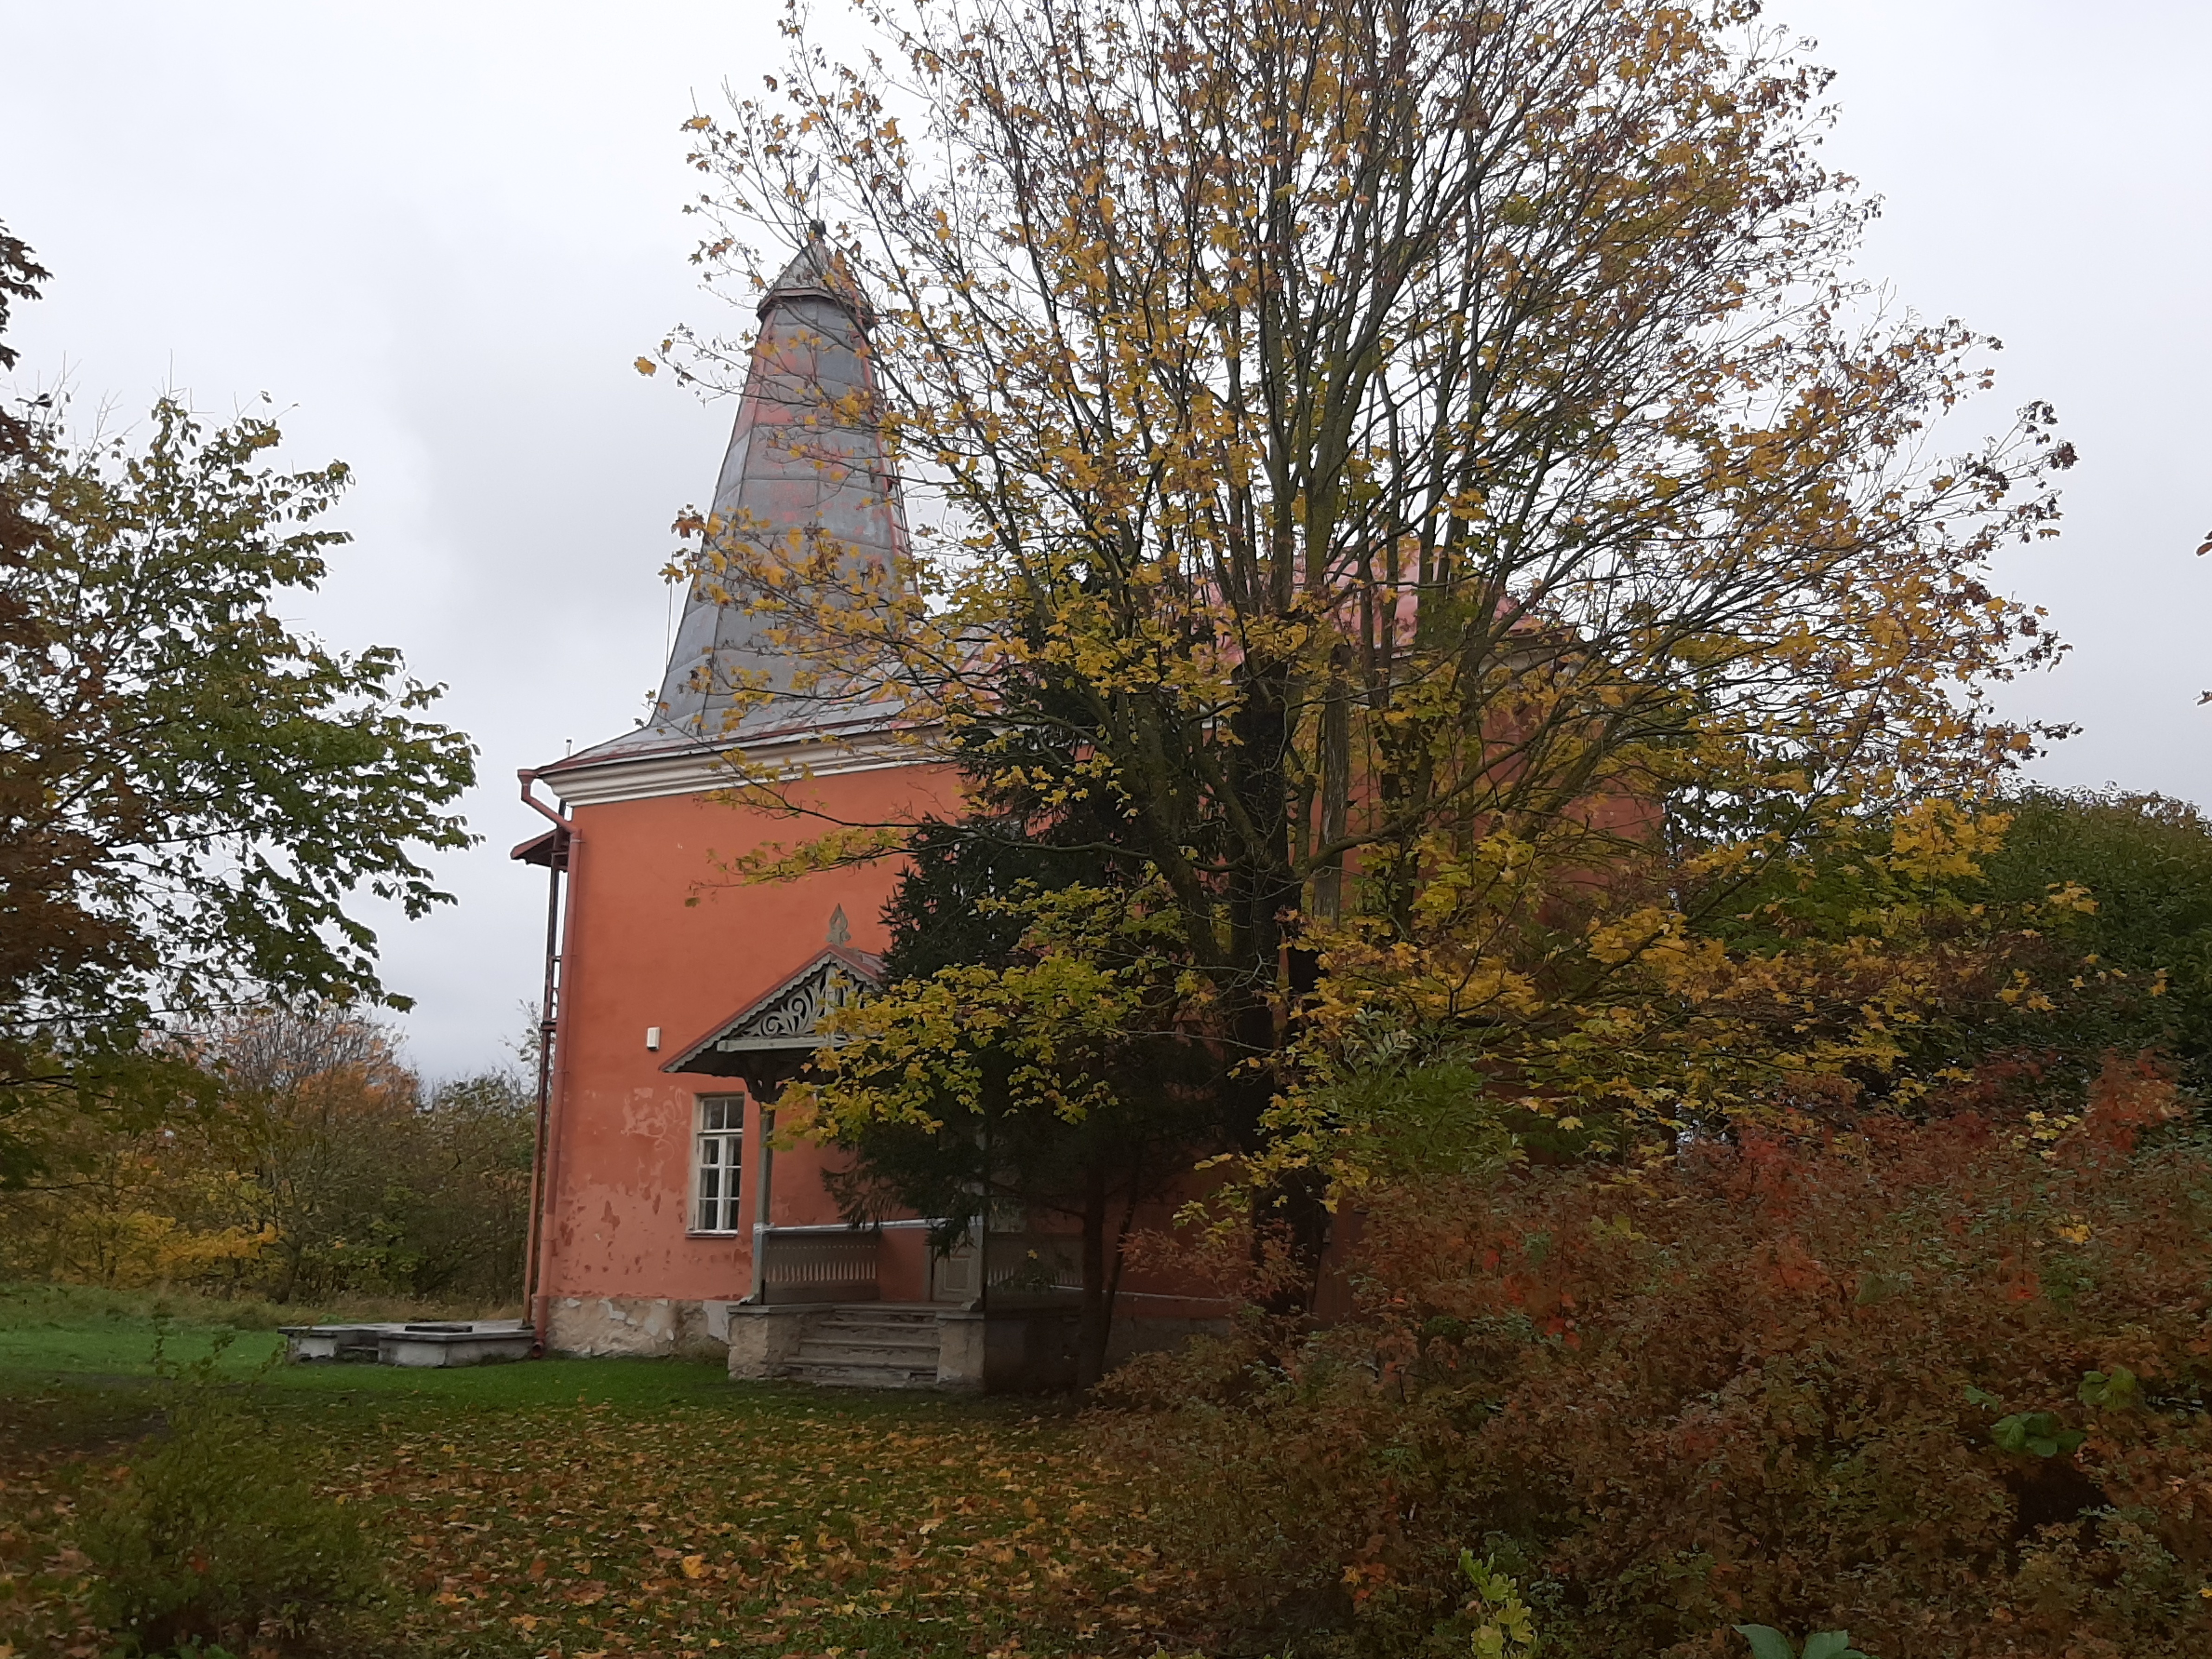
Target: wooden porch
{"type": "Point", "coordinates": [821, 1317]}
{"type": "Point", "coordinates": [839, 1263]}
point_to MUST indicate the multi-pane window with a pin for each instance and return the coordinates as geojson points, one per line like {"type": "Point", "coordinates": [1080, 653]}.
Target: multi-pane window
{"type": "Point", "coordinates": [716, 1160]}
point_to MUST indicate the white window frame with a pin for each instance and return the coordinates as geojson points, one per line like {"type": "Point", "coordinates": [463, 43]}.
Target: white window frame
{"type": "Point", "coordinates": [718, 1165]}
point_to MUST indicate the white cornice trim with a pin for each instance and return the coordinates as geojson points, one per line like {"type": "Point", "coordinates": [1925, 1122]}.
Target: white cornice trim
{"type": "Point", "coordinates": [696, 773]}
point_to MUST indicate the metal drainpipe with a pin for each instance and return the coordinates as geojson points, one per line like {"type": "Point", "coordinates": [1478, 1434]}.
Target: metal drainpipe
{"type": "Point", "coordinates": [554, 872]}
{"type": "Point", "coordinates": [559, 921]}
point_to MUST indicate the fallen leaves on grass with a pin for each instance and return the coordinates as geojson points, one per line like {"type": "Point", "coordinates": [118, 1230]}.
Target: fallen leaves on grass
{"type": "Point", "coordinates": [816, 1529]}
{"type": "Point", "coordinates": [769, 1526]}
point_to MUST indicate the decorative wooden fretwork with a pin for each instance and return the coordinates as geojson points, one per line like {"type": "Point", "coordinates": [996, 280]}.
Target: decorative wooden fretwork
{"type": "Point", "coordinates": [795, 1010]}
{"type": "Point", "coordinates": [776, 1031]}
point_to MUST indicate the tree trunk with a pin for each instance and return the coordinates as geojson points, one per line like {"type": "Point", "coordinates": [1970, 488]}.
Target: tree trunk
{"type": "Point", "coordinates": [1098, 1320]}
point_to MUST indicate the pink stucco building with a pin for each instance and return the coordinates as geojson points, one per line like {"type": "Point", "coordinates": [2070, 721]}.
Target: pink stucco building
{"type": "Point", "coordinates": [663, 1222]}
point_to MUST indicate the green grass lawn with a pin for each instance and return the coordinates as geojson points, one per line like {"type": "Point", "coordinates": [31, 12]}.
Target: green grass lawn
{"type": "Point", "coordinates": [49, 1335]}
{"type": "Point", "coordinates": [568, 1508]}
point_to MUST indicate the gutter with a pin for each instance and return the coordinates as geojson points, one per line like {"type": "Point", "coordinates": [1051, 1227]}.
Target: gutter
{"type": "Point", "coordinates": [560, 861]}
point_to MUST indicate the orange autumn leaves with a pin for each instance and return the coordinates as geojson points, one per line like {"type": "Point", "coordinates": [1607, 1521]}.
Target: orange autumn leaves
{"type": "Point", "coordinates": [800, 1529]}
{"type": "Point", "coordinates": [1918, 1380]}
{"type": "Point", "coordinates": [778, 1524]}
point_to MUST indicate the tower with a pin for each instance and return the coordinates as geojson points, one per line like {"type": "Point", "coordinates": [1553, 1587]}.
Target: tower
{"type": "Point", "coordinates": [804, 468]}
{"type": "Point", "coordinates": [661, 967]}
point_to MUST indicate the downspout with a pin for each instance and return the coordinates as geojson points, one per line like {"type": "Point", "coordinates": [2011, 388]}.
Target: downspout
{"type": "Point", "coordinates": [541, 1157]}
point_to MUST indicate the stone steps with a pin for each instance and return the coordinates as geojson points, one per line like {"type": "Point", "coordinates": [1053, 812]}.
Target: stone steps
{"type": "Point", "coordinates": [858, 1376]}
{"type": "Point", "coordinates": [867, 1348]}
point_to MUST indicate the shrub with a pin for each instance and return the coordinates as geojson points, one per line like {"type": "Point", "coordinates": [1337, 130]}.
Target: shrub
{"type": "Point", "coordinates": [1940, 1384]}
{"type": "Point", "coordinates": [318, 1170]}
{"type": "Point", "coordinates": [214, 1536]}
{"type": "Point", "coordinates": [2146, 863]}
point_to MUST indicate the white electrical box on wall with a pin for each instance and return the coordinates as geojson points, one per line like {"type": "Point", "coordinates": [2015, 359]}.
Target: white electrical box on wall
{"type": "Point", "coordinates": [653, 1037]}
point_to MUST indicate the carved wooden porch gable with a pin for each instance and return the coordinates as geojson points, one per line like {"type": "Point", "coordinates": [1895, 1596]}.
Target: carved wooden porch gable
{"type": "Point", "coordinates": [787, 1018]}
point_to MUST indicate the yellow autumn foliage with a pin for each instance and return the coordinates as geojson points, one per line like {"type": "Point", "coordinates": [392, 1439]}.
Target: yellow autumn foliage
{"type": "Point", "coordinates": [1391, 474]}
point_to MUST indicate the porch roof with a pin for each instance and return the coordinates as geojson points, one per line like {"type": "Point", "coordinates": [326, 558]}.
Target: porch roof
{"type": "Point", "coordinates": [786, 1019]}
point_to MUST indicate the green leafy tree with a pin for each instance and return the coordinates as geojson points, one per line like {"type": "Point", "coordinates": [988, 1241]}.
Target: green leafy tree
{"type": "Point", "coordinates": [1082, 1128]}
{"type": "Point", "coordinates": [191, 788]}
{"type": "Point", "coordinates": [2139, 938]}
{"type": "Point", "coordinates": [1022, 1059]}
{"type": "Point", "coordinates": [470, 1220]}
{"type": "Point", "coordinates": [324, 1123]}
{"type": "Point", "coordinates": [19, 277]}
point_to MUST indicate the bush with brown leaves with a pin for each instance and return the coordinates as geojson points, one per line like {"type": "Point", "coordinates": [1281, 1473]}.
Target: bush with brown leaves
{"type": "Point", "coordinates": [1941, 1384]}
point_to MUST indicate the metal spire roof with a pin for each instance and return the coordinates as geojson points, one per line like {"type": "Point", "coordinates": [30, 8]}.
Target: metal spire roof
{"type": "Point", "coordinates": [805, 458]}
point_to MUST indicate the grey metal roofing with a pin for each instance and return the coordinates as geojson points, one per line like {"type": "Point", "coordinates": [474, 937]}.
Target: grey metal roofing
{"type": "Point", "coordinates": [806, 460]}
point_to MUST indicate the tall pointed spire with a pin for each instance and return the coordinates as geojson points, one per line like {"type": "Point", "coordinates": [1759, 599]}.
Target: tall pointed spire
{"type": "Point", "coordinates": [800, 460]}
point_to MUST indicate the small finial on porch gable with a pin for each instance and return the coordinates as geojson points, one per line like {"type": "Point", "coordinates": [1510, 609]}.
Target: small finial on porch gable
{"type": "Point", "coordinates": [841, 931]}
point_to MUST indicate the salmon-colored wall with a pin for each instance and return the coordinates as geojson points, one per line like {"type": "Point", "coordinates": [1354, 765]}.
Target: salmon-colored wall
{"type": "Point", "coordinates": [637, 955]}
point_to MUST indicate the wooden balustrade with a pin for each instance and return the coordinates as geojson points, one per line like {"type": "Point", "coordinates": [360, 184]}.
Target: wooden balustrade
{"type": "Point", "coordinates": [842, 1264]}
{"type": "Point", "coordinates": [1025, 1265]}
{"type": "Point", "coordinates": [1036, 1264]}
{"type": "Point", "coordinates": [820, 1263]}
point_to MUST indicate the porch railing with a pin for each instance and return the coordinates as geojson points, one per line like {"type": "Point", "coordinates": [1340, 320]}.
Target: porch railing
{"type": "Point", "coordinates": [1023, 1264]}
{"type": "Point", "coordinates": [842, 1264]}
{"type": "Point", "coordinates": [820, 1263]}
{"type": "Point", "coordinates": [1036, 1264]}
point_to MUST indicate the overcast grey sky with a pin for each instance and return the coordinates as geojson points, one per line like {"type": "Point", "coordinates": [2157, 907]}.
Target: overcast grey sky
{"type": "Point", "coordinates": [439, 234]}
